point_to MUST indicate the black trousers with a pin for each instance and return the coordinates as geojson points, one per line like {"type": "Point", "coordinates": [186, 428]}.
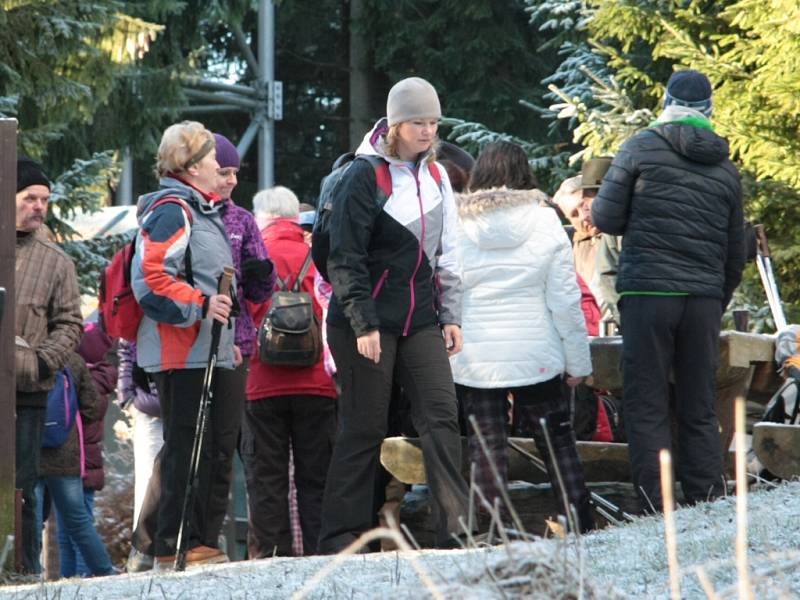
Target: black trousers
{"type": "Point", "coordinates": [678, 334]}
{"type": "Point", "coordinates": [348, 506]}
{"type": "Point", "coordinates": [179, 394]}
{"type": "Point", "coordinates": [270, 425]}
{"type": "Point", "coordinates": [29, 430]}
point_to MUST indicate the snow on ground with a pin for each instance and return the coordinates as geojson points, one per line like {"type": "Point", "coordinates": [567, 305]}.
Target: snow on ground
{"type": "Point", "coordinates": [619, 562]}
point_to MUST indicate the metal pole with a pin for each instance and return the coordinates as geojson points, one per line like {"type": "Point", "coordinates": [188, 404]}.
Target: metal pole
{"type": "Point", "coordinates": [248, 137]}
{"type": "Point", "coordinates": [125, 187]}
{"type": "Point", "coordinates": [233, 88]}
{"type": "Point", "coordinates": [200, 109]}
{"type": "Point", "coordinates": [266, 60]}
{"type": "Point", "coordinates": [8, 398]}
{"type": "Point", "coordinates": [227, 98]}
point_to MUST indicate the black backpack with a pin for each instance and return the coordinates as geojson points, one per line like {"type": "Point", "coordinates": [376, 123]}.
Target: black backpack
{"type": "Point", "coordinates": [320, 235]}
{"type": "Point", "coordinates": [289, 335]}
{"type": "Point", "coordinates": [784, 406]}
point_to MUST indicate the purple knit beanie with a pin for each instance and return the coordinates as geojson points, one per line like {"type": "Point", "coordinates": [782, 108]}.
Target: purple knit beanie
{"type": "Point", "coordinates": [227, 155]}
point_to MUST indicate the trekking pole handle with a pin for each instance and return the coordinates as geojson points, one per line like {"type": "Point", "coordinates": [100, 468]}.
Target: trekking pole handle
{"type": "Point", "coordinates": [761, 240]}
{"type": "Point", "coordinates": [226, 280]}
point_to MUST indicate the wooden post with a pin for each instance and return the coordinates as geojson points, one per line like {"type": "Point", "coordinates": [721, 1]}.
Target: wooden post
{"type": "Point", "coordinates": [8, 399]}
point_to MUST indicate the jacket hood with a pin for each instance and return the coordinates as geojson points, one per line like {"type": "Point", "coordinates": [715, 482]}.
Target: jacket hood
{"type": "Point", "coordinates": [94, 344]}
{"type": "Point", "coordinates": [499, 217]}
{"type": "Point", "coordinates": [283, 229]}
{"type": "Point", "coordinates": [374, 143]}
{"type": "Point", "coordinates": [695, 143]}
{"type": "Point", "coordinates": [172, 186]}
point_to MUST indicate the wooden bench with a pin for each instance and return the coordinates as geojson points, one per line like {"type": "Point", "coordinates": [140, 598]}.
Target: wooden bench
{"type": "Point", "coordinates": [744, 358]}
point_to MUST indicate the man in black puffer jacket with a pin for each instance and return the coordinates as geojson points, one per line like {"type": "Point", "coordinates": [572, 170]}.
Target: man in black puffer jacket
{"type": "Point", "coordinates": [676, 197]}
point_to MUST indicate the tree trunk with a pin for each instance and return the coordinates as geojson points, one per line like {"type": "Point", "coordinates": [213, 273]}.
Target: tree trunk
{"type": "Point", "coordinates": [360, 113]}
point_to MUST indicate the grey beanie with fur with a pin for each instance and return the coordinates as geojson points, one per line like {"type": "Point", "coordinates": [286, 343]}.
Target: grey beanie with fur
{"type": "Point", "coordinates": [412, 98]}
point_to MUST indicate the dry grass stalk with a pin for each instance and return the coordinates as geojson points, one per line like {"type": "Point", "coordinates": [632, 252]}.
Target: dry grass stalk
{"type": "Point", "coordinates": [705, 583]}
{"type": "Point", "coordinates": [365, 538]}
{"type": "Point", "coordinates": [573, 524]}
{"type": "Point", "coordinates": [501, 485]}
{"type": "Point", "coordinates": [669, 523]}
{"type": "Point", "coordinates": [745, 589]}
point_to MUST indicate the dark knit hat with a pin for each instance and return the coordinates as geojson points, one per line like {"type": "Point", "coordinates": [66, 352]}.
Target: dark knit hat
{"type": "Point", "coordinates": [412, 98]}
{"type": "Point", "coordinates": [593, 171]}
{"type": "Point", "coordinates": [460, 157]}
{"type": "Point", "coordinates": [689, 88]}
{"type": "Point", "coordinates": [29, 173]}
{"type": "Point", "coordinates": [227, 155]}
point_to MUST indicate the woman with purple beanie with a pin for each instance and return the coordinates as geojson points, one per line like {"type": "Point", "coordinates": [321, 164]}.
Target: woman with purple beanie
{"type": "Point", "coordinates": [254, 274]}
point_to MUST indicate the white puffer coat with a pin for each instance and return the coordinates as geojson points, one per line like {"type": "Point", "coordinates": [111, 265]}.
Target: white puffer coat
{"type": "Point", "coordinates": [522, 321]}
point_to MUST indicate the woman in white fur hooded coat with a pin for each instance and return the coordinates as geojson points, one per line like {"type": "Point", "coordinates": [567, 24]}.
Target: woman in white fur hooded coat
{"type": "Point", "coordinates": [524, 331]}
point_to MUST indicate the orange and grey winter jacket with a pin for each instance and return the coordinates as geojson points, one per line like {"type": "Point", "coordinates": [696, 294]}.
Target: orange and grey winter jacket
{"type": "Point", "coordinates": [173, 333]}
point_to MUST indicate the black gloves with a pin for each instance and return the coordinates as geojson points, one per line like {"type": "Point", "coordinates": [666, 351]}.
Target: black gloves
{"type": "Point", "coordinates": [140, 378]}
{"type": "Point", "coordinates": [253, 268]}
{"type": "Point", "coordinates": [44, 368]}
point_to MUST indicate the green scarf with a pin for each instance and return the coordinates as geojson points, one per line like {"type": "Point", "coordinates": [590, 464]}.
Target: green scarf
{"type": "Point", "coordinates": [693, 121]}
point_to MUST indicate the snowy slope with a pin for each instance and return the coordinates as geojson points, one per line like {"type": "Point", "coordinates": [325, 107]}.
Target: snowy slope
{"type": "Point", "coordinates": [621, 562]}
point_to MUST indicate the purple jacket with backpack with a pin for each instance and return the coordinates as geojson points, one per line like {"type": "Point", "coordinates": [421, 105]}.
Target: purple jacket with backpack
{"type": "Point", "coordinates": [246, 243]}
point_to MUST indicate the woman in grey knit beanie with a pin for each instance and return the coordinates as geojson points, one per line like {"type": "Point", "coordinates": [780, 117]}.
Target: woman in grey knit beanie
{"type": "Point", "coordinates": [395, 313]}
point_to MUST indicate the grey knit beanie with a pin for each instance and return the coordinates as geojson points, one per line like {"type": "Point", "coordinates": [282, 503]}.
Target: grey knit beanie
{"type": "Point", "coordinates": [412, 98]}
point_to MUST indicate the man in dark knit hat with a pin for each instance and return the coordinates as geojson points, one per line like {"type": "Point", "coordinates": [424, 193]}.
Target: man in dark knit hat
{"type": "Point", "coordinates": [674, 194]}
{"type": "Point", "coordinates": [48, 328]}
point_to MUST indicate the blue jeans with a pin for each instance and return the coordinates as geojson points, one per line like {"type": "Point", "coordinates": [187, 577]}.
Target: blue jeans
{"type": "Point", "coordinates": [66, 494]}
{"type": "Point", "coordinates": [70, 556]}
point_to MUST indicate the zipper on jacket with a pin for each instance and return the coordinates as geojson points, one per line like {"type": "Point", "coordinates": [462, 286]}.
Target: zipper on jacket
{"type": "Point", "coordinates": [412, 304]}
{"type": "Point", "coordinates": [379, 286]}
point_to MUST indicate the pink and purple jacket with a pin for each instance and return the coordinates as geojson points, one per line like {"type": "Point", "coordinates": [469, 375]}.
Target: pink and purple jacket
{"type": "Point", "coordinates": [246, 243]}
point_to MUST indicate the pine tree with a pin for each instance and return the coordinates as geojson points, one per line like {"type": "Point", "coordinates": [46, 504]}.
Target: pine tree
{"type": "Point", "coordinates": [750, 51]}
{"type": "Point", "coordinates": [60, 62]}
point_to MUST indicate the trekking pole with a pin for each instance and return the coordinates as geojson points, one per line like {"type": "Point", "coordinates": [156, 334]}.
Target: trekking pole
{"type": "Point", "coordinates": [764, 264]}
{"type": "Point", "coordinates": [602, 505]}
{"type": "Point", "coordinates": [203, 412]}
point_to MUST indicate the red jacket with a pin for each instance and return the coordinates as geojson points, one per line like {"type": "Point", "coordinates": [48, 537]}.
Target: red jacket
{"type": "Point", "coordinates": [287, 249]}
{"type": "Point", "coordinates": [591, 311]}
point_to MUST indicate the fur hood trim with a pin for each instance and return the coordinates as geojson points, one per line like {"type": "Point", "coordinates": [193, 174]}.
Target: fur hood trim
{"type": "Point", "coordinates": [475, 203]}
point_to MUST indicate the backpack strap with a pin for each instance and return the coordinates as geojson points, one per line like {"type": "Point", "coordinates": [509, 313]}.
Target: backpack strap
{"type": "Point", "coordinates": [81, 442]}
{"type": "Point", "coordinates": [436, 173]}
{"type": "Point", "coordinates": [302, 274]}
{"type": "Point", "coordinates": [187, 256]}
{"type": "Point", "coordinates": [383, 176]}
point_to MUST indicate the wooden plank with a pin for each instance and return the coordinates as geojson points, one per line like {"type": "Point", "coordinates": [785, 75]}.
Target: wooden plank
{"type": "Point", "coordinates": [737, 350]}
{"type": "Point", "coordinates": [402, 457]}
{"type": "Point", "coordinates": [8, 188]}
{"type": "Point", "coordinates": [777, 446]}
{"type": "Point", "coordinates": [744, 349]}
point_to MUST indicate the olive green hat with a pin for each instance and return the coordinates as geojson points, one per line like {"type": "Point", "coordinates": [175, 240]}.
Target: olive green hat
{"type": "Point", "coordinates": [593, 171]}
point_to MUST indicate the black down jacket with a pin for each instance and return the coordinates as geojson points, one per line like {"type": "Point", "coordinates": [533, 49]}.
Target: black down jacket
{"type": "Point", "coordinates": [675, 196]}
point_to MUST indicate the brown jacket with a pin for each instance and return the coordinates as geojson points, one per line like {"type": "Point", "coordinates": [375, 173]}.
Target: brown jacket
{"type": "Point", "coordinates": [66, 459]}
{"type": "Point", "coordinates": [48, 317]}
{"type": "Point", "coordinates": [584, 249]}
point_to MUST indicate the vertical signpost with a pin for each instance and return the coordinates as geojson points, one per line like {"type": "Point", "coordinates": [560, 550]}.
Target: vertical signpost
{"type": "Point", "coordinates": [8, 187]}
